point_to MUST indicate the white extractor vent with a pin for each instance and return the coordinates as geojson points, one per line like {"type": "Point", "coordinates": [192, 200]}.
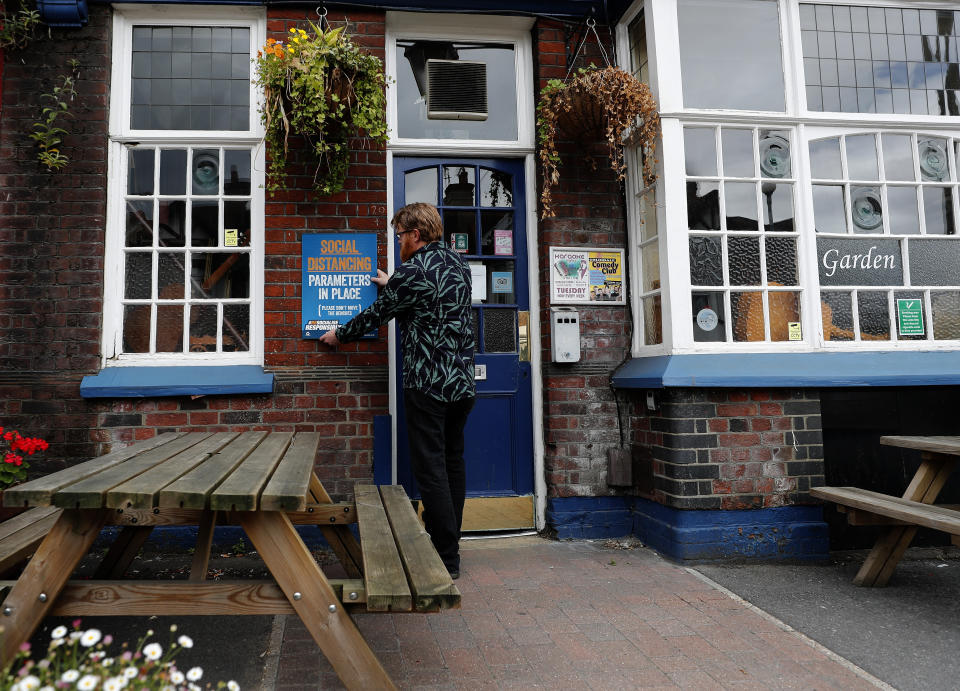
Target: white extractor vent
{"type": "Point", "coordinates": [456, 90]}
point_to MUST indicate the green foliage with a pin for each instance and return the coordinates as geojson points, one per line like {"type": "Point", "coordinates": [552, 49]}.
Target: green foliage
{"type": "Point", "coordinates": [17, 27]}
{"type": "Point", "coordinates": [597, 102]}
{"type": "Point", "coordinates": [325, 89]}
{"type": "Point", "coordinates": [46, 132]}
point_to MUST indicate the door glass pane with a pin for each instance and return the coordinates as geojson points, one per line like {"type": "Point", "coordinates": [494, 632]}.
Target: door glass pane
{"type": "Point", "coordinates": [173, 171]}
{"type": "Point", "coordinates": [496, 232]}
{"type": "Point", "coordinates": [496, 188]}
{"type": "Point", "coordinates": [829, 214]}
{"type": "Point", "coordinates": [499, 331]}
{"type": "Point", "coordinates": [724, 37]}
{"type": "Point", "coordinates": [700, 150]}
{"type": "Point", "coordinates": [236, 163]}
{"type": "Point", "coordinates": [748, 317]}
{"type": "Point", "coordinates": [420, 186]}
{"type": "Point", "coordinates": [938, 210]}
{"type": "Point", "coordinates": [500, 283]}
{"type": "Point", "coordinates": [874, 314]}
{"type": "Point", "coordinates": [236, 328]}
{"type": "Point", "coordinates": [203, 328]}
{"type": "Point", "coordinates": [169, 328]}
{"type": "Point", "coordinates": [459, 231]}
{"type": "Point", "coordinates": [862, 158]}
{"type": "Point", "coordinates": [458, 186]}
{"type": "Point", "coordinates": [737, 152]}
{"type": "Point", "coordinates": [837, 313]}
{"type": "Point", "coordinates": [138, 276]}
{"type": "Point", "coordinates": [139, 224]}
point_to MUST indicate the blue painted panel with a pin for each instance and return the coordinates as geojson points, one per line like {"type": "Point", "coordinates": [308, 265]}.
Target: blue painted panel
{"type": "Point", "coordinates": [891, 368]}
{"type": "Point", "coordinates": [144, 382]}
{"type": "Point", "coordinates": [382, 450]}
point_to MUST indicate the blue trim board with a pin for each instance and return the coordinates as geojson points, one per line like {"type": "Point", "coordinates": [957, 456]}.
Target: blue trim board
{"type": "Point", "coordinates": [793, 370]}
{"type": "Point", "coordinates": [788, 532]}
{"type": "Point", "coordinates": [145, 382]}
{"type": "Point", "coordinates": [382, 450]}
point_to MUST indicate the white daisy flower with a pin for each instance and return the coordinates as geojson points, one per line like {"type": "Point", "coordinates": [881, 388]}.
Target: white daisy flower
{"type": "Point", "coordinates": [114, 684]}
{"type": "Point", "coordinates": [152, 651]}
{"type": "Point", "coordinates": [233, 686]}
{"type": "Point", "coordinates": [59, 632]}
{"type": "Point", "coordinates": [108, 662]}
{"type": "Point", "coordinates": [130, 672]}
{"type": "Point", "coordinates": [176, 677]}
{"type": "Point", "coordinates": [47, 688]}
{"type": "Point", "coordinates": [90, 638]}
{"type": "Point", "coordinates": [75, 635]}
{"type": "Point", "coordinates": [185, 641]}
{"type": "Point", "coordinates": [70, 676]}
{"type": "Point", "coordinates": [88, 683]}
{"type": "Point", "coordinates": [29, 683]}
{"type": "Point", "coordinates": [194, 674]}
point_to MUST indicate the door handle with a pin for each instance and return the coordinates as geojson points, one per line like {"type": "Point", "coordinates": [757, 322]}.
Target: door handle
{"type": "Point", "coordinates": [523, 335]}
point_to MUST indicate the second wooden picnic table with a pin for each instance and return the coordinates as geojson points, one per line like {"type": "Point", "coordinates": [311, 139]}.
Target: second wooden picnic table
{"type": "Point", "coordinates": [265, 483]}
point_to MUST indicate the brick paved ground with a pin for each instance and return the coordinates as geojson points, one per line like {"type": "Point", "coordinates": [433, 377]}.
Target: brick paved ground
{"type": "Point", "coordinates": [576, 615]}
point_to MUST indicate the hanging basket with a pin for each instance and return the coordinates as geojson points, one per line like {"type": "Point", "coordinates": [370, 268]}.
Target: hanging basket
{"type": "Point", "coordinates": [598, 104]}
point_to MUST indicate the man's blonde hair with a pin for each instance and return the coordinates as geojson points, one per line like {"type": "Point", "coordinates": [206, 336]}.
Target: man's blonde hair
{"type": "Point", "coordinates": [424, 217]}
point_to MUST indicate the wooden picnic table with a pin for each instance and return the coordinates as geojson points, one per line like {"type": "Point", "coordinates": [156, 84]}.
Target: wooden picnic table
{"type": "Point", "coordinates": [265, 483]}
{"type": "Point", "coordinates": [901, 516]}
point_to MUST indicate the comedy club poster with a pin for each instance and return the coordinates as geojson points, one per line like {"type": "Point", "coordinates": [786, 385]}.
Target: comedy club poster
{"type": "Point", "coordinates": [337, 268]}
{"type": "Point", "coordinates": [586, 276]}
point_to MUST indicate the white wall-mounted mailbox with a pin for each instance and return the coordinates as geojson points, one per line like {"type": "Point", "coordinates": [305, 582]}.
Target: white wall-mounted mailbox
{"type": "Point", "coordinates": [564, 334]}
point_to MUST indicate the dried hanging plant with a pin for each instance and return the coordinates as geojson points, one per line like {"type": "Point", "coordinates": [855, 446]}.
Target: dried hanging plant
{"type": "Point", "coordinates": [597, 102]}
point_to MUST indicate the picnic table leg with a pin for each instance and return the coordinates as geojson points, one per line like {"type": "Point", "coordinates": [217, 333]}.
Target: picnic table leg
{"type": "Point", "coordinates": [58, 555]}
{"type": "Point", "coordinates": [315, 602]}
{"type": "Point", "coordinates": [341, 540]}
{"type": "Point", "coordinates": [893, 542]}
{"type": "Point", "coordinates": [201, 557]}
{"type": "Point", "coordinates": [123, 551]}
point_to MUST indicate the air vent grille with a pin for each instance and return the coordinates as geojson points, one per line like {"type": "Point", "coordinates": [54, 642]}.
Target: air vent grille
{"type": "Point", "coordinates": [457, 90]}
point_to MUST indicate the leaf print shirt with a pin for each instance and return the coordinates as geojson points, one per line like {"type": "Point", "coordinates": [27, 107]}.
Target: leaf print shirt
{"type": "Point", "coordinates": [429, 295]}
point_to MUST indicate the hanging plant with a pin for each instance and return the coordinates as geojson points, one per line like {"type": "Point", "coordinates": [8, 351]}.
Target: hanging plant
{"type": "Point", "coordinates": [606, 103]}
{"type": "Point", "coordinates": [325, 89]}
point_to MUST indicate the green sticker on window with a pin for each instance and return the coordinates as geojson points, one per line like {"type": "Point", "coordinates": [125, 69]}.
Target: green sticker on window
{"type": "Point", "coordinates": [910, 317]}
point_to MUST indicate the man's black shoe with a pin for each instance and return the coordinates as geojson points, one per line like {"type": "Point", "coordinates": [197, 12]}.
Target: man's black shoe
{"type": "Point", "coordinates": [455, 574]}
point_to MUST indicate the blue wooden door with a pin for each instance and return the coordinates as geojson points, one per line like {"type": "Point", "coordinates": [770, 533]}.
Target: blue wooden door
{"type": "Point", "coordinates": [482, 205]}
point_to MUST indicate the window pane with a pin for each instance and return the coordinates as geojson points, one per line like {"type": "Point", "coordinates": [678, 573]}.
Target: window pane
{"type": "Point", "coordinates": [723, 37]}
{"type": "Point", "coordinates": [913, 295]}
{"type": "Point", "coordinates": [700, 150]}
{"type": "Point", "coordinates": [837, 314]}
{"type": "Point", "coordinates": [136, 328]}
{"type": "Point", "coordinates": [866, 210]}
{"type": "Point", "coordinates": [170, 273]}
{"type": "Point", "coordinates": [205, 171]}
{"type": "Point", "coordinates": [934, 162]}
{"type": "Point", "coordinates": [501, 287]}
{"type": "Point", "coordinates": [173, 223]}
{"type": "Point", "coordinates": [652, 320]}
{"type": "Point", "coordinates": [138, 276]}
{"type": "Point", "coordinates": [496, 233]}
{"type": "Point", "coordinates": [946, 314]}
{"type": "Point", "coordinates": [458, 186]}
{"type": "Point", "coordinates": [708, 317]}
{"type": "Point", "coordinates": [139, 224]}
{"type": "Point", "coordinates": [650, 265]}
{"type": "Point", "coordinates": [236, 328]}
{"type": "Point", "coordinates": [862, 158]}
{"type": "Point", "coordinates": [748, 317]}
{"type": "Point", "coordinates": [737, 153]}
{"type": "Point", "coordinates": [496, 188]}
{"type": "Point", "coordinates": [898, 157]}
{"type": "Point", "coordinates": [703, 205]}
{"type": "Point", "coordinates": [874, 312]}
{"type": "Point", "coordinates": [236, 224]}
{"type": "Point", "coordinates": [203, 328]}
{"type": "Point", "coordinates": [220, 275]}
{"type": "Point", "coordinates": [859, 262]}
{"type": "Point", "coordinates": [741, 202]}
{"type": "Point", "coordinates": [781, 255]}
{"type": "Point", "coordinates": [173, 171]}
{"type": "Point", "coordinates": [777, 207]}
{"type": "Point", "coordinates": [938, 210]}
{"type": "Point", "coordinates": [169, 328]}
{"type": "Point", "coordinates": [460, 226]}
{"type": "Point", "coordinates": [784, 309]}
{"type": "Point", "coordinates": [706, 261]}
{"type": "Point", "coordinates": [172, 73]}
{"type": "Point", "coordinates": [411, 89]}
{"type": "Point", "coordinates": [743, 257]}
{"type": "Point", "coordinates": [499, 331]}
{"type": "Point", "coordinates": [205, 223]}
{"type": "Point", "coordinates": [774, 149]}
{"type": "Point", "coordinates": [934, 262]}
{"type": "Point", "coordinates": [236, 163]}
{"type": "Point", "coordinates": [140, 171]}
{"type": "Point", "coordinates": [825, 159]}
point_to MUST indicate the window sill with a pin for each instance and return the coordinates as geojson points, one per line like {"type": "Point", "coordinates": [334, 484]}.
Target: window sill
{"type": "Point", "coordinates": [792, 370]}
{"type": "Point", "coordinates": [145, 382]}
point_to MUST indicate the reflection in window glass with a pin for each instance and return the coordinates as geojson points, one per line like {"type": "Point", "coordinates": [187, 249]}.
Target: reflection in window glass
{"type": "Point", "coordinates": [637, 37]}
{"type": "Point", "coordinates": [700, 150]}
{"type": "Point", "coordinates": [496, 232]}
{"type": "Point", "coordinates": [139, 224]}
{"type": "Point", "coordinates": [825, 159]}
{"type": "Point", "coordinates": [829, 213]}
{"type": "Point", "coordinates": [420, 186]}
{"type": "Point", "coordinates": [898, 157]}
{"type": "Point", "coordinates": [902, 209]}
{"type": "Point", "coordinates": [496, 188]}
{"type": "Point", "coordinates": [938, 210]}
{"type": "Point", "coordinates": [236, 165]}
{"type": "Point", "coordinates": [140, 172]}
{"type": "Point", "coordinates": [862, 158]}
{"type": "Point", "coordinates": [459, 231]}
{"type": "Point", "coordinates": [741, 204]}
{"type": "Point", "coordinates": [458, 186]}
{"type": "Point", "coordinates": [173, 171]}
{"type": "Point", "coordinates": [724, 37]}
{"type": "Point", "coordinates": [777, 207]}
{"type": "Point", "coordinates": [709, 322]}
{"type": "Point", "coordinates": [411, 89]}
{"type": "Point", "coordinates": [703, 205]}
{"type": "Point", "coordinates": [737, 153]}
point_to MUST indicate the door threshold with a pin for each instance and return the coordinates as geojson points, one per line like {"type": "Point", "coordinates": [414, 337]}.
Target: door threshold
{"type": "Point", "coordinates": [497, 534]}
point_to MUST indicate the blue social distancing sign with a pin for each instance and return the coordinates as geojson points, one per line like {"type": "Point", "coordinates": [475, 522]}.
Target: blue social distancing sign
{"type": "Point", "coordinates": [336, 285]}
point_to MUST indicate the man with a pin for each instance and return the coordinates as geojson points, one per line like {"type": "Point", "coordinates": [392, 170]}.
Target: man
{"type": "Point", "coordinates": [429, 294]}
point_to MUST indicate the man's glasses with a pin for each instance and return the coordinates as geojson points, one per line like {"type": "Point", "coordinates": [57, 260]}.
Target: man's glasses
{"type": "Point", "coordinates": [401, 232]}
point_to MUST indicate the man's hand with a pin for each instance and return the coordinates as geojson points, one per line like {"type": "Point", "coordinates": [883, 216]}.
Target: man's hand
{"type": "Point", "coordinates": [381, 278]}
{"type": "Point", "coordinates": [330, 339]}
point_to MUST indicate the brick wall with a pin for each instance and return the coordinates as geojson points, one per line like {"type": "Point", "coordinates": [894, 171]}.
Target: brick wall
{"type": "Point", "coordinates": [580, 413]}
{"type": "Point", "coordinates": [727, 449]}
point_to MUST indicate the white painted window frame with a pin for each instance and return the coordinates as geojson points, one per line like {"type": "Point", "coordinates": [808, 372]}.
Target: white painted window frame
{"type": "Point", "coordinates": [664, 55]}
{"type": "Point", "coordinates": [120, 134]}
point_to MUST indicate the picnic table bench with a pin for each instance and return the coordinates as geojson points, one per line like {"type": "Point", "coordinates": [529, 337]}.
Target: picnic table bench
{"type": "Point", "coordinates": [902, 516]}
{"type": "Point", "coordinates": [261, 481]}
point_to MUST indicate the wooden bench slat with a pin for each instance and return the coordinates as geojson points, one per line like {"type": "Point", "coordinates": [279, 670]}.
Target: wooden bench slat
{"type": "Point", "coordinates": [432, 587]}
{"type": "Point", "coordinates": [383, 572]}
{"type": "Point", "coordinates": [193, 489]}
{"type": "Point", "coordinates": [286, 490]}
{"type": "Point", "coordinates": [89, 492]}
{"type": "Point", "coordinates": [141, 491]}
{"type": "Point", "coordinates": [240, 491]}
{"type": "Point", "coordinates": [23, 533]}
{"type": "Point", "coordinates": [941, 444]}
{"type": "Point", "coordinates": [911, 512]}
{"type": "Point", "coordinates": [40, 492]}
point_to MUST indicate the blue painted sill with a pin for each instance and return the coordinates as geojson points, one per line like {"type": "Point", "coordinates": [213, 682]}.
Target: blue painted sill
{"type": "Point", "coordinates": [146, 382]}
